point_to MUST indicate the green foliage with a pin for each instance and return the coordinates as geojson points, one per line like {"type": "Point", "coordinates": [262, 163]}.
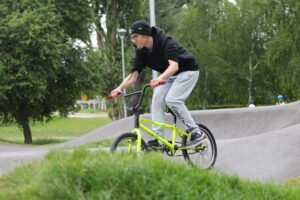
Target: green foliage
{"type": "Point", "coordinates": [283, 48]}
{"type": "Point", "coordinates": [168, 14]}
{"type": "Point", "coordinates": [42, 69]}
{"type": "Point", "coordinates": [117, 15]}
{"type": "Point", "coordinates": [77, 18]}
{"type": "Point", "coordinates": [100, 175]}
{"type": "Point", "coordinates": [200, 22]}
{"type": "Point", "coordinates": [247, 50]}
{"type": "Point", "coordinates": [109, 16]}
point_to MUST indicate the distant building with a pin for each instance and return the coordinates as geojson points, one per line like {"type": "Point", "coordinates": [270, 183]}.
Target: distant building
{"type": "Point", "coordinates": [98, 103]}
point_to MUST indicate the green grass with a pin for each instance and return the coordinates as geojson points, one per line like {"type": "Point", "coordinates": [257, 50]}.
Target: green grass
{"type": "Point", "coordinates": [36, 141]}
{"type": "Point", "coordinates": [99, 175]}
{"type": "Point", "coordinates": [59, 127]}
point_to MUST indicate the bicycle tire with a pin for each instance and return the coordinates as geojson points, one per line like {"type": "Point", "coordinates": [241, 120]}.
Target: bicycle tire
{"type": "Point", "coordinates": [122, 144]}
{"type": "Point", "coordinates": [209, 148]}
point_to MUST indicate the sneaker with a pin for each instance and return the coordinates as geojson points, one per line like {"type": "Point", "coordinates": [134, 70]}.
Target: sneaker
{"type": "Point", "coordinates": [196, 139]}
{"type": "Point", "coordinates": [154, 144]}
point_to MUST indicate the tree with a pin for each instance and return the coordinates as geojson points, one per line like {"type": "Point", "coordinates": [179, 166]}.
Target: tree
{"type": "Point", "coordinates": [282, 50]}
{"type": "Point", "coordinates": [109, 16]}
{"type": "Point", "coordinates": [41, 68]}
{"type": "Point", "coordinates": [248, 51]}
{"type": "Point", "coordinates": [168, 14]}
{"type": "Point", "coordinates": [200, 22]}
{"type": "Point", "coordinates": [245, 30]}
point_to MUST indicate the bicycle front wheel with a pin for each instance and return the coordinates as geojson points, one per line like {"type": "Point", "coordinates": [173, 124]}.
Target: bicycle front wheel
{"type": "Point", "coordinates": [127, 142]}
{"type": "Point", "coordinates": [203, 156]}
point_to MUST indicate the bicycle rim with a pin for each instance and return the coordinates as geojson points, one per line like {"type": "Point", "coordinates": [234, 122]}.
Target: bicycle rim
{"type": "Point", "coordinates": [203, 156]}
{"type": "Point", "coordinates": [127, 143]}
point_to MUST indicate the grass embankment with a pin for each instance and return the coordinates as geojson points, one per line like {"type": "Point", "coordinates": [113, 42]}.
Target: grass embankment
{"type": "Point", "coordinates": [58, 127]}
{"type": "Point", "coordinates": [99, 175]}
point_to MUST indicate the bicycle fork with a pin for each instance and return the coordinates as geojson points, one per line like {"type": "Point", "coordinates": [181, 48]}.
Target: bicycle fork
{"type": "Point", "coordinates": [139, 139]}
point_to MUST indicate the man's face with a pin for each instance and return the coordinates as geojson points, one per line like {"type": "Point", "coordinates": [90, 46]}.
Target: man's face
{"type": "Point", "coordinates": [280, 100]}
{"type": "Point", "coordinates": [139, 40]}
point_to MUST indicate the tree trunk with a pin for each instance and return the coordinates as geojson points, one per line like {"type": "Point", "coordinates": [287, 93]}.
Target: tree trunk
{"type": "Point", "coordinates": [27, 133]}
{"type": "Point", "coordinates": [107, 43]}
{"type": "Point", "coordinates": [25, 125]}
{"type": "Point", "coordinates": [252, 69]}
{"type": "Point", "coordinates": [205, 90]}
{"type": "Point", "coordinates": [250, 78]}
{"type": "Point", "coordinates": [250, 95]}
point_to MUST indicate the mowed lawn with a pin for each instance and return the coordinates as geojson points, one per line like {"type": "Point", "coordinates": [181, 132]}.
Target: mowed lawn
{"type": "Point", "coordinates": [58, 127]}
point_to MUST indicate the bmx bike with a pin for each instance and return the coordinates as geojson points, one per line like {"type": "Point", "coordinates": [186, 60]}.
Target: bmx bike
{"type": "Point", "coordinates": [203, 156]}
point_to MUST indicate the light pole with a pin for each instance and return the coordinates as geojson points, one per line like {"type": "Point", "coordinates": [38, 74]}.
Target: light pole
{"type": "Point", "coordinates": [152, 23]}
{"type": "Point", "coordinates": [122, 33]}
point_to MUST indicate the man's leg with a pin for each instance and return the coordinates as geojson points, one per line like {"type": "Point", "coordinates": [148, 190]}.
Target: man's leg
{"type": "Point", "coordinates": [178, 93]}
{"type": "Point", "coordinates": [158, 106]}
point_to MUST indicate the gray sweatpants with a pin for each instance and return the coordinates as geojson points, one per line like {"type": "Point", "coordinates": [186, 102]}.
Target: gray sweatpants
{"type": "Point", "coordinates": [173, 94]}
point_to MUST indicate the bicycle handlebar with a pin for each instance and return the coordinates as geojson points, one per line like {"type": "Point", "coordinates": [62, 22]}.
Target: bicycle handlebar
{"type": "Point", "coordinates": [134, 93]}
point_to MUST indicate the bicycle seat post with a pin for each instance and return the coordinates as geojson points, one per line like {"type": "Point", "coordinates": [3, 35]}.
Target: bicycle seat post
{"type": "Point", "coordinates": [175, 120]}
{"type": "Point", "coordinates": [136, 118]}
{"type": "Point", "coordinates": [174, 116]}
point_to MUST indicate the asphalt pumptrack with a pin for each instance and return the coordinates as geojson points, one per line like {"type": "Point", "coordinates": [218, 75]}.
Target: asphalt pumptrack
{"type": "Point", "coordinates": [260, 143]}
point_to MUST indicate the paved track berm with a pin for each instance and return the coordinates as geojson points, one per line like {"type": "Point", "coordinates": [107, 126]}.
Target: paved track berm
{"type": "Point", "coordinates": [260, 143]}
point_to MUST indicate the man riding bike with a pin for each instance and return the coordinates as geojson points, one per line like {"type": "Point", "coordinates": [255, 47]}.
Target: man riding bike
{"type": "Point", "coordinates": [178, 69]}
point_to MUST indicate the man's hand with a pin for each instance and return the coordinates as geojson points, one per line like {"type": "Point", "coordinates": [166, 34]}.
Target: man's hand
{"type": "Point", "coordinates": [155, 82]}
{"type": "Point", "coordinates": [115, 93]}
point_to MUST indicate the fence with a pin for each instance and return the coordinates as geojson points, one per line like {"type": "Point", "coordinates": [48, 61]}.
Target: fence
{"type": "Point", "coordinates": [91, 104]}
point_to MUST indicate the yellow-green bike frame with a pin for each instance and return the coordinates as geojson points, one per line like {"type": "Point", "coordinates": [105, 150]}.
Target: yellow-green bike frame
{"type": "Point", "coordinates": [174, 129]}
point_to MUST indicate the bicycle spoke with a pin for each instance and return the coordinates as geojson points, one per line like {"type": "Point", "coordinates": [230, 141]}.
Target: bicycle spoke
{"type": "Point", "coordinates": [203, 155]}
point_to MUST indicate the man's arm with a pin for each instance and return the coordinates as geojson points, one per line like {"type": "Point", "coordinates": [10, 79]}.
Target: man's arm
{"type": "Point", "coordinates": [171, 70]}
{"type": "Point", "coordinates": [129, 80]}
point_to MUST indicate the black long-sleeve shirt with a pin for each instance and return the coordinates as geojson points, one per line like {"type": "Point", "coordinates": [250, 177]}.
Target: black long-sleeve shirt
{"type": "Point", "coordinates": [164, 48]}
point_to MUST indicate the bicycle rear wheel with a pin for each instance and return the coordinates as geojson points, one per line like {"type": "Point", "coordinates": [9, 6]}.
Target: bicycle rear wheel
{"type": "Point", "coordinates": [127, 143]}
{"type": "Point", "coordinates": [203, 156]}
